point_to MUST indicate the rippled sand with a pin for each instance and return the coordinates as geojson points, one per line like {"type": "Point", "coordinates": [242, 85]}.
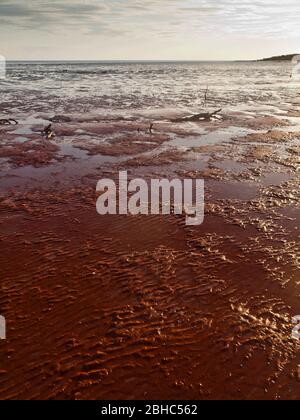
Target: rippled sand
{"type": "Point", "coordinates": [145, 307]}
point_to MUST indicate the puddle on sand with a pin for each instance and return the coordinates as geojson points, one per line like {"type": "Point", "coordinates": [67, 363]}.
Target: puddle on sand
{"type": "Point", "coordinates": [23, 130]}
{"type": "Point", "coordinates": [274, 179]}
{"type": "Point", "coordinates": [212, 138]}
{"type": "Point", "coordinates": [21, 139]}
{"type": "Point", "coordinates": [233, 190]}
{"type": "Point", "coordinates": [69, 150]}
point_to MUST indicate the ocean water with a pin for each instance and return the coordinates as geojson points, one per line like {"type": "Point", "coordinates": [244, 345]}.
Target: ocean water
{"type": "Point", "coordinates": [31, 88]}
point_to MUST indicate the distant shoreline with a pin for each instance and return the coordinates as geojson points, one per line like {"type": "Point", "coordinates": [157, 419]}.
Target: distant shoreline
{"type": "Point", "coordinates": [288, 57]}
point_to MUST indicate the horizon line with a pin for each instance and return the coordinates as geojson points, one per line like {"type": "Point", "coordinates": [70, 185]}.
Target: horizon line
{"type": "Point", "coordinates": [44, 60]}
{"type": "Point", "coordinates": [127, 60]}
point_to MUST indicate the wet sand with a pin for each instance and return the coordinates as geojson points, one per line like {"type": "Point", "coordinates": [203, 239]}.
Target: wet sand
{"type": "Point", "coordinates": [144, 307]}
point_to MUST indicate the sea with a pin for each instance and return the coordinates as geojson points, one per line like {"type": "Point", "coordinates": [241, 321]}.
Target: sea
{"type": "Point", "coordinates": [145, 87]}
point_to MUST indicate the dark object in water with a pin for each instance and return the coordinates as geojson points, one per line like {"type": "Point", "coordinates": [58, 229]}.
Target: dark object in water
{"type": "Point", "coordinates": [204, 116]}
{"type": "Point", "coordinates": [151, 128]}
{"type": "Point", "coordinates": [205, 96]}
{"type": "Point", "coordinates": [48, 132]}
{"type": "Point", "coordinates": [8, 121]}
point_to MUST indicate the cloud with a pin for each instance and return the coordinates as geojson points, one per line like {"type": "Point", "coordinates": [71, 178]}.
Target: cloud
{"type": "Point", "coordinates": [155, 16]}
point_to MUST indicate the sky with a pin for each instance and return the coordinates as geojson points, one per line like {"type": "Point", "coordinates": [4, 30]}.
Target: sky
{"type": "Point", "coordinates": [148, 29]}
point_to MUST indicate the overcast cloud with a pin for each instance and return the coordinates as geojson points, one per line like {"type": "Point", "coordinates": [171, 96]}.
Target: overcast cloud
{"type": "Point", "coordinates": [148, 29]}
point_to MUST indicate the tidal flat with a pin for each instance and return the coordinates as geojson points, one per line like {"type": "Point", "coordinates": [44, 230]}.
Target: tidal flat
{"type": "Point", "coordinates": [146, 307]}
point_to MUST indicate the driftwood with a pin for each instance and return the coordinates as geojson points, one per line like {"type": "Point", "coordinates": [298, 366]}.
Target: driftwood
{"type": "Point", "coordinates": [204, 116]}
{"type": "Point", "coordinates": [8, 121]}
{"type": "Point", "coordinates": [205, 96]}
{"type": "Point", "coordinates": [48, 132]}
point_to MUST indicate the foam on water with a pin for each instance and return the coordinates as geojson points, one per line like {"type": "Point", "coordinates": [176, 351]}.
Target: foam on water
{"type": "Point", "coordinates": [85, 87]}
